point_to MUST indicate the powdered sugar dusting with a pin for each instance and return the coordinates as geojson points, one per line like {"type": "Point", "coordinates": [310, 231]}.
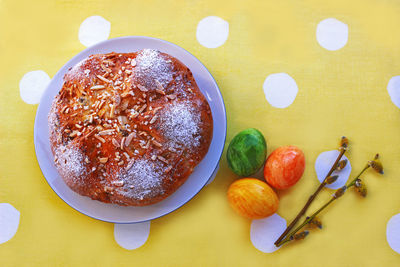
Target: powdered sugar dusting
{"type": "Point", "coordinates": [180, 124]}
{"type": "Point", "coordinates": [152, 66]}
{"type": "Point", "coordinates": [52, 121]}
{"type": "Point", "coordinates": [70, 160]}
{"type": "Point", "coordinates": [142, 180]}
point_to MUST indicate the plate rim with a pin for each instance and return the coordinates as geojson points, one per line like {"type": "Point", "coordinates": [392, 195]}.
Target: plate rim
{"type": "Point", "coordinates": [132, 37]}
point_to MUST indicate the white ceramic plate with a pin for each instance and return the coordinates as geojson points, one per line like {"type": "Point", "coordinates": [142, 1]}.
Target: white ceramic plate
{"type": "Point", "coordinates": [202, 173]}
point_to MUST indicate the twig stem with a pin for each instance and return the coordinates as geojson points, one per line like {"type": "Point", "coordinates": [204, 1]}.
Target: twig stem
{"type": "Point", "coordinates": [288, 237]}
{"type": "Point", "coordinates": [310, 199]}
{"type": "Point", "coordinates": [355, 179]}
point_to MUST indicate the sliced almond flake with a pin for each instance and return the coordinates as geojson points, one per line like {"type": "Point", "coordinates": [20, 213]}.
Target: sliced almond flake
{"type": "Point", "coordinates": [142, 88]}
{"type": "Point", "coordinates": [122, 142]}
{"type": "Point", "coordinates": [156, 109]}
{"type": "Point", "coordinates": [156, 143]}
{"type": "Point", "coordinates": [133, 62]}
{"type": "Point", "coordinates": [101, 113]}
{"type": "Point", "coordinates": [97, 87]}
{"type": "Point", "coordinates": [107, 132]}
{"type": "Point", "coordinates": [103, 79]}
{"type": "Point", "coordinates": [142, 108]}
{"type": "Point", "coordinates": [103, 160]}
{"type": "Point", "coordinates": [118, 183]}
{"type": "Point", "coordinates": [159, 85]}
{"type": "Point", "coordinates": [78, 126]}
{"type": "Point", "coordinates": [105, 68]}
{"type": "Point", "coordinates": [168, 169]}
{"type": "Point", "coordinates": [112, 110]}
{"type": "Point", "coordinates": [129, 139]}
{"type": "Point", "coordinates": [130, 164]}
{"type": "Point", "coordinates": [172, 96]}
{"type": "Point", "coordinates": [117, 99]}
{"type": "Point", "coordinates": [153, 120]}
{"type": "Point", "coordinates": [101, 104]}
{"type": "Point", "coordinates": [162, 159]}
{"type": "Point", "coordinates": [63, 109]}
{"type": "Point", "coordinates": [120, 163]}
{"type": "Point", "coordinates": [109, 62]}
{"type": "Point", "coordinates": [115, 142]}
{"type": "Point", "coordinates": [125, 93]}
{"type": "Point", "coordinates": [126, 155]}
{"type": "Point", "coordinates": [160, 92]}
{"type": "Point", "coordinates": [122, 120]}
{"type": "Point", "coordinates": [134, 114]}
{"type": "Point", "coordinates": [116, 76]}
{"type": "Point", "coordinates": [73, 134]}
{"type": "Point", "coordinates": [101, 139]}
{"type": "Point", "coordinates": [89, 133]}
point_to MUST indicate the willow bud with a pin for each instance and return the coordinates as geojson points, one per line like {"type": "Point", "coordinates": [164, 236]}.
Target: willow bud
{"type": "Point", "coordinates": [300, 236]}
{"type": "Point", "coordinates": [341, 165]}
{"type": "Point", "coordinates": [344, 142]}
{"type": "Point", "coordinates": [340, 192]}
{"type": "Point", "coordinates": [376, 164]}
{"type": "Point", "coordinates": [361, 188]}
{"type": "Point", "coordinates": [315, 222]}
{"type": "Point", "coordinates": [331, 179]}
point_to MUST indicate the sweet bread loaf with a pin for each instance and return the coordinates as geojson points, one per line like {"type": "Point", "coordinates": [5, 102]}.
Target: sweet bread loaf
{"type": "Point", "coordinates": [129, 128]}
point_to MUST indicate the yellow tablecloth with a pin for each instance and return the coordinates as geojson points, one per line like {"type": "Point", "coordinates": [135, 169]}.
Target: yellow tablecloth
{"type": "Point", "coordinates": [341, 92]}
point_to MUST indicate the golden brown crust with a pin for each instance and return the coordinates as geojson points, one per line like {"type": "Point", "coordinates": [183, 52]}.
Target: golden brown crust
{"type": "Point", "coordinates": [128, 128]}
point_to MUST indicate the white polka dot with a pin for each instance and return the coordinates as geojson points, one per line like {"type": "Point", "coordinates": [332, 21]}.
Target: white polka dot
{"type": "Point", "coordinates": [93, 30]}
{"type": "Point", "coordinates": [264, 232]}
{"type": "Point", "coordinates": [332, 34]}
{"type": "Point", "coordinates": [32, 86]}
{"type": "Point", "coordinates": [131, 236]}
{"type": "Point", "coordinates": [393, 233]}
{"type": "Point", "coordinates": [393, 88]}
{"type": "Point", "coordinates": [280, 90]}
{"type": "Point", "coordinates": [324, 163]}
{"type": "Point", "coordinates": [9, 221]}
{"type": "Point", "coordinates": [212, 31]}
